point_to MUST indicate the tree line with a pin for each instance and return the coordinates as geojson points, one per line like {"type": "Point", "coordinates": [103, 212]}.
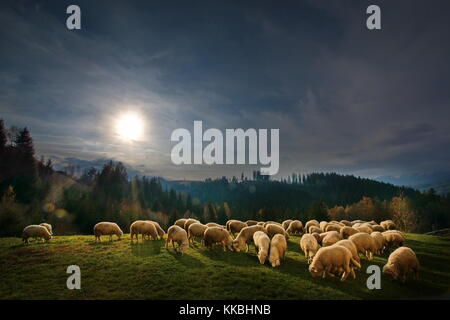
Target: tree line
{"type": "Point", "coordinates": [109, 194]}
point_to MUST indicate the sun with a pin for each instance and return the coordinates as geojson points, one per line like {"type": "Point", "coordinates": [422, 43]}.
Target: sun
{"type": "Point", "coordinates": [130, 127]}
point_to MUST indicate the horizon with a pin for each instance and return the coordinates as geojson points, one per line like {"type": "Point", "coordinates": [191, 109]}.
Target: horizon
{"type": "Point", "coordinates": [348, 100]}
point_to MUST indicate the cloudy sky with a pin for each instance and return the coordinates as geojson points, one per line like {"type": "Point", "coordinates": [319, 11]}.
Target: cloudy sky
{"type": "Point", "coordinates": [345, 98]}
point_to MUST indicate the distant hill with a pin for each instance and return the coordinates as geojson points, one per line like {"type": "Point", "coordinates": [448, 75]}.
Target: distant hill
{"type": "Point", "coordinates": [441, 187]}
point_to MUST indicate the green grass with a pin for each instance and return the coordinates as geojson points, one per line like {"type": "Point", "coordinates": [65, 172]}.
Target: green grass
{"type": "Point", "coordinates": [121, 270]}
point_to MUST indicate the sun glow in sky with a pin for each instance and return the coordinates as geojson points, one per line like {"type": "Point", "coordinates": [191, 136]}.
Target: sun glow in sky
{"type": "Point", "coordinates": [130, 126]}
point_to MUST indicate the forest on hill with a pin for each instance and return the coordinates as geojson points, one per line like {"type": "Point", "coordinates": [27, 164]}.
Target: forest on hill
{"type": "Point", "coordinates": [31, 192]}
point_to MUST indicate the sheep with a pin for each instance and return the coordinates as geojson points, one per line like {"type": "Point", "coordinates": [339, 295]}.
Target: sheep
{"type": "Point", "coordinates": [48, 226]}
{"type": "Point", "coordinates": [309, 246]}
{"type": "Point", "coordinates": [334, 234]}
{"type": "Point", "coordinates": [331, 238]}
{"type": "Point", "coordinates": [347, 232]}
{"type": "Point", "coordinates": [251, 222]}
{"type": "Point", "coordinates": [311, 223]}
{"type": "Point", "coordinates": [329, 259]}
{"type": "Point", "coordinates": [261, 223]}
{"type": "Point", "coordinates": [400, 262]}
{"type": "Point", "coordinates": [388, 225]}
{"type": "Point", "coordinates": [273, 229]}
{"type": "Point", "coordinates": [379, 241]}
{"type": "Point", "coordinates": [213, 224]}
{"type": "Point", "coordinates": [245, 236]}
{"type": "Point", "coordinates": [177, 234]}
{"type": "Point", "coordinates": [145, 228]}
{"type": "Point", "coordinates": [352, 248]}
{"type": "Point", "coordinates": [364, 243]}
{"type": "Point", "coordinates": [286, 224]}
{"type": "Point", "coordinates": [180, 223]}
{"type": "Point", "coordinates": [188, 223]}
{"type": "Point", "coordinates": [262, 243]}
{"type": "Point", "coordinates": [278, 247]}
{"type": "Point", "coordinates": [272, 222]}
{"type": "Point", "coordinates": [160, 230]}
{"type": "Point", "coordinates": [235, 226]}
{"type": "Point", "coordinates": [364, 228]}
{"type": "Point", "coordinates": [314, 229]}
{"type": "Point", "coordinates": [214, 235]}
{"type": "Point", "coordinates": [317, 236]}
{"type": "Point", "coordinates": [35, 231]}
{"type": "Point", "coordinates": [333, 227]}
{"type": "Point", "coordinates": [346, 223]}
{"type": "Point", "coordinates": [107, 228]}
{"type": "Point", "coordinates": [196, 229]}
{"type": "Point", "coordinates": [295, 227]}
{"type": "Point", "coordinates": [393, 239]}
{"type": "Point", "coordinates": [323, 225]}
{"type": "Point", "coordinates": [377, 227]}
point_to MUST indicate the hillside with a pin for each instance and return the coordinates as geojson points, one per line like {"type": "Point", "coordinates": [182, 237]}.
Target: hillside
{"type": "Point", "coordinates": [121, 270]}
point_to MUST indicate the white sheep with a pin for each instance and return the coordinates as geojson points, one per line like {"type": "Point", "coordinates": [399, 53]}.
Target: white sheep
{"type": "Point", "coordinates": [278, 247]}
{"type": "Point", "coordinates": [37, 232]}
{"type": "Point", "coordinates": [262, 243]}
{"type": "Point", "coordinates": [48, 226]}
{"type": "Point", "coordinates": [177, 234]}
{"type": "Point", "coordinates": [331, 259]}
{"type": "Point", "coordinates": [107, 228]}
{"type": "Point", "coordinates": [309, 246]}
{"type": "Point", "coordinates": [400, 262]}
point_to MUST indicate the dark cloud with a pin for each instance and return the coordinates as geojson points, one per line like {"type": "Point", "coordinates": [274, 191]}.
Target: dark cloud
{"type": "Point", "coordinates": [374, 103]}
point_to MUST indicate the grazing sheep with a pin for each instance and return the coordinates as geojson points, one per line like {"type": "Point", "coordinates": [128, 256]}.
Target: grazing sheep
{"type": "Point", "coordinates": [273, 229]}
{"type": "Point", "coordinates": [347, 232]}
{"type": "Point", "coordinates": [314, 229]}
{"type": "Point", "coordinates": [218, 235]}
{"type": "Point", "coordinates": [107, 228]}
{"type": "Point", "coordinates": [272, 222]}
{"type": "Point", "coordinates": [331, 238]}
{"type": "Point", "coordinates": [393, 239]}
{"type": "Point", "coordinates": [350, 246]}
{"type": "Point", "coordinates": [35, 231]}
{"type": "Point", "coordinates": [189, 222]}
{"type": "Point", "coordinates": [235, 226]}
{"type": "Point", "coordinates": [177, 234]}
{"type": "Point", "coordinates": [324, 234]}
{"type": "Point", "coordinates": [278, 247]}
{"type": "Point", "coordinates": [196, 229]}
{"type": "Point", "coordinates": [213, 224]}
{"type": "Point", "coordinates": [388, 225]}
{"type": "Point", "coordinates": [245, 236]}
{"type": "Point", "coordinates": [262, 243]}
{"type": "Point", "coordinates": [251, 222]}
{"type": "Point", "coordinates": [48, 226]}
{"type": "Point", "coordinates": [329, 259]}
{"type": "Point", "coordinates": [146, 228]}
{"type": "Point", "coordinates": [365, 244]}
{"type": "Point", "coordinates": [346, 223]}
{"type": "Point", "coordinates": [364, 228]}
{"type": "Point", "coordinates": [323, 225]}
{"type": "Point", "coordinates": [286, 224]}
{"type": "Point", "coordinates": [160, 230]}
{"type": "Point", "coordinates": [295, 227]}
{"type": "Point", "coordinates": [311, 223]}
{"type": "Point", "coordinates": [377, 227]}
{"type": "Point", "coordinates": [400, 263]}
{"type": "Point", "coordinates": [309, 246]}
{"type": "Point", "coordinates": [317, 236]}
{"type": "Point", "coordinates": [333, 227]}
{"type": "Point", "coordinates": [180, 223]}
{"type": "Point", "coordinates": [379, 241]}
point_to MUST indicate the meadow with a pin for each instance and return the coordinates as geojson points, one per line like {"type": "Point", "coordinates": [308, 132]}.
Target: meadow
{"type": "Point", "coordinates": [122, 270]}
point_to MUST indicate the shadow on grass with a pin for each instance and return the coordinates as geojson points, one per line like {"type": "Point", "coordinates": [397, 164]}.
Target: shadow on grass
{"type": "Point", "coordinates": [146, 248]}
{"type": "Point", "coordinates": [185, 259]}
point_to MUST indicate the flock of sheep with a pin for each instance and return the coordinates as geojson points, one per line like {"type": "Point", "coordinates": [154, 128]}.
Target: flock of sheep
{"type": "Point", "coordinates": [331, 248]}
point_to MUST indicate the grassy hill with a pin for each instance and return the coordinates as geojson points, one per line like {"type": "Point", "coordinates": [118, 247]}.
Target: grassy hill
{"type": "Point", "coordinates": [121, 270]}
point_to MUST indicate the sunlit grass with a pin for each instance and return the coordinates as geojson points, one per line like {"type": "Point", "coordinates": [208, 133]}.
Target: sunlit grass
{"type": "Point", "coordinates": [122, 270]}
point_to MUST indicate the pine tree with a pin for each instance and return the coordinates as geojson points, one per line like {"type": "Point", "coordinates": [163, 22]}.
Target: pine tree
{"type": "Point", "coordinates": [24, 143]}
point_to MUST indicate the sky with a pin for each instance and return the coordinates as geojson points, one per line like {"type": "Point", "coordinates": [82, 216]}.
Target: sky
{"type": "Point", "coordinates": [373, 103]}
